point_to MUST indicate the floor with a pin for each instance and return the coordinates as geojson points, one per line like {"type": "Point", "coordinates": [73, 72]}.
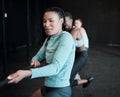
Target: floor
{"type": "Point", "coordinates": [103, 64]}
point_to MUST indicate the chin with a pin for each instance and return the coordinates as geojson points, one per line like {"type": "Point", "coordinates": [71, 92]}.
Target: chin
{"type": "Point", "coordinates": [48, 33]}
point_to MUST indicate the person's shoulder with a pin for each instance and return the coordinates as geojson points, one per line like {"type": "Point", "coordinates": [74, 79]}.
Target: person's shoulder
{"type": "Point", "coordinates": [66, 37]}
{"type": "Point", "coordinates": [83, 30]}
{"type": "Point", "coordinates": [75, 30]}
{"type": "Point", "coordinates": [66, 34]}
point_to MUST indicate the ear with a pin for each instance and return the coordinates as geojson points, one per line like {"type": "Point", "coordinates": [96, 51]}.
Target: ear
{"type": "Point", "coordinates": [61, 20]}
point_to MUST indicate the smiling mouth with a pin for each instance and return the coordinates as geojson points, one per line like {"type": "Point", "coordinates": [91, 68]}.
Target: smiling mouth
{"type": "Point", "coordinates": [48, 29]}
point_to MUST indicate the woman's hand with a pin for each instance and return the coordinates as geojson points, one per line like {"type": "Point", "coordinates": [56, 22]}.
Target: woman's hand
{"type": "Point", "coordinates": [19, 75]}
{"type": "Point", "coordinates": [35, 63]}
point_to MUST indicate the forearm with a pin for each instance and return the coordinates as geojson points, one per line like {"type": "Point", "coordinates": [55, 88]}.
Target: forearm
{"type": "Point", "coordinates": [19, 75]}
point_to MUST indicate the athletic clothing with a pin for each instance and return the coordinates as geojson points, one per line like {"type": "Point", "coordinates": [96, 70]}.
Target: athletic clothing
{"type": "Point", "coordinates": [80, 58]}
{"type": "Point", "coordinates": [56, 92]}
{"type": "Point", "coordinates": [59, 52]}
{"type": "Point", "coordinates": [83, 41]}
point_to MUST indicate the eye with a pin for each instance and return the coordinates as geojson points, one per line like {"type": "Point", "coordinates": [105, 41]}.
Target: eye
{"type": "Point", "coordinates": [51, 20]}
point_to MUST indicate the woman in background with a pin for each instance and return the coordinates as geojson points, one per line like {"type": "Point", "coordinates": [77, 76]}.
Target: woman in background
{"type": "Point", "coordinates": [82, 44]}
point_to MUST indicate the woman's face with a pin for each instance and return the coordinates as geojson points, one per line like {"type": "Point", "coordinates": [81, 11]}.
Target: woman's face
{"type": "Point", "coordinates": [52, 23]}
{"type": "Point", "coordinates": [68, 23]}
{"type": "Point", "coordinates": [77, 24]}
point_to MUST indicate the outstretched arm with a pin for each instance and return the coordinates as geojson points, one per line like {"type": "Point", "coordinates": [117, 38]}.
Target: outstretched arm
{"type": "Point", "coordinates": [18, 76]}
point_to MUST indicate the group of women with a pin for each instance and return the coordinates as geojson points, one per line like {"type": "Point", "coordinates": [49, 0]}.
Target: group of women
{"type": "Point", "coordinates": [62, 51]}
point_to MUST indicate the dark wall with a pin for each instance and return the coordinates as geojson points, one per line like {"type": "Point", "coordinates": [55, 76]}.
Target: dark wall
{"type": "Point", "coordinates": [1, 30]}
{"type": "Point", "coordinates": [13, 30]}
{"type": "Point", "coordinates": [100, 18]}
{"type": "Point", "coordinates": [103, 22]}
{"type": "Point", "coordinates": [16, 22]}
